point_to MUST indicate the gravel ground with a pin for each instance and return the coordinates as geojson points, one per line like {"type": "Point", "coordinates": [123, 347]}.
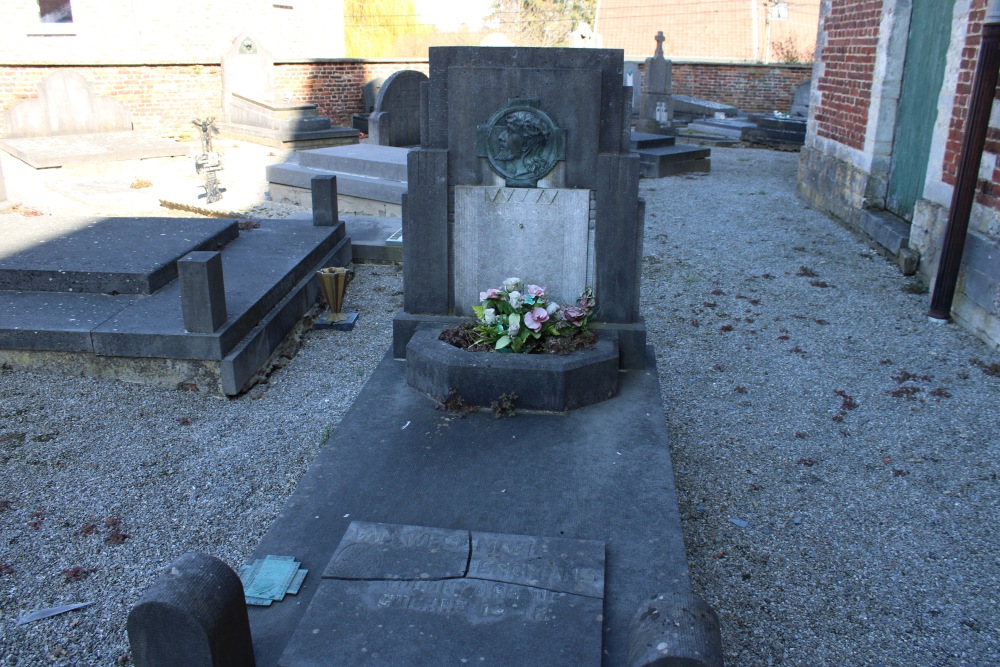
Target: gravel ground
{"type": "Point", "coordinates": [835, 454]}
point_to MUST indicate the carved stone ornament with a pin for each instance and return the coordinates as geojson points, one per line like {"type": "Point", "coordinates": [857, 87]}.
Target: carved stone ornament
{"type": "Point", "coordinates": [521, 143]}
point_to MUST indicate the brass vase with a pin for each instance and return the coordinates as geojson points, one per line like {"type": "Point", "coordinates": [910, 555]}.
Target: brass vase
{"type": "Point", "coordinates": [333, 280]}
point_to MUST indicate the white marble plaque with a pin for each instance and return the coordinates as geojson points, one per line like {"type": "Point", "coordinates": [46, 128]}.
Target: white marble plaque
{"type": "Point", "coordinates": [540, 235]}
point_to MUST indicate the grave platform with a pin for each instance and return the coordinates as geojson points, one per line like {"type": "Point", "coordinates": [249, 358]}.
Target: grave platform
{"type": "Point", "coordinates": [371, 180]}
{"type": "Point", "coordinates": [61, 150]}
{"type": "Point", "coordinates": [661, 155]}
{"type": "Point", "coordinates": [599, 474]}
{"type": "Point", "coordinates": [103, 293]}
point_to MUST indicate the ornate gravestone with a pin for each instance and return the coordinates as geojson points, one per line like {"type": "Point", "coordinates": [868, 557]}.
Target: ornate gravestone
{"type": "Point", "coordinates": [524, 168]}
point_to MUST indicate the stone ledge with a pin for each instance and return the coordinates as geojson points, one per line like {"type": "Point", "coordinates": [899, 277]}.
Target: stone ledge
{"type": "Point", "coordinates": [552, 383]}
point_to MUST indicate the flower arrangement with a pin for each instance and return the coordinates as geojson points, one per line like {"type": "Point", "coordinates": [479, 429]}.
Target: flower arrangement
{"type": "Point", "coordinates": [522, 318]}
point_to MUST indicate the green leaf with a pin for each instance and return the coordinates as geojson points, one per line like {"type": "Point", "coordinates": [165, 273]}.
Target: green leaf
{"type": "Point", "coordinates": [478, 310]}
{"type": "Point", "coordinates": [503, 342]}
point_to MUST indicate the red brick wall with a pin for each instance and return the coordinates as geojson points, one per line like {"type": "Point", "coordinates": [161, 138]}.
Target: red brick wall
{"type": "Point", "coordinates": [335, 87]}
{"type": "Point", "coordinates": [852, 30]}
{"type": "Point", "coordinates": [164, 98]}
{"type": "Point", "coordinates": [987, 191]}
{"type": "Point", "coordinates": [750, 88]}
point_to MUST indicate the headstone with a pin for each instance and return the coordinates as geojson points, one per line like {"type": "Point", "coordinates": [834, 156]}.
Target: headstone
{"type": "Point", "coordinates": [656, 107]}
{"type": "Point", "coordinates": [66, 105]}
{"type": "Point", "coordinates": [247, 70]}
{"type": "Point", "coordinates": [252, 110]}
{"type": "Point", "coordinates": [514, 177]}
{"type": "Point", "coordinates": [395, 120]}
{"type": "Point", "coordinates": [193, 615]}
{"type": "Point", "coordinates": [800, 101]}
{"type": "Point", "coordinates": [395, 594]}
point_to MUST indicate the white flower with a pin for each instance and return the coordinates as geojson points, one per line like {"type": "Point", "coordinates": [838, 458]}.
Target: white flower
{"type": "Point", "coordinates": [490, 315]}
{"type": "Point", "coordinates": [512, 285]}
{"type": "Point", "coordinates": [552, 308]}
{"type": "Point", "coordinates": [516, 299]}
{"type": "Point", "coordinates": [514, 327]}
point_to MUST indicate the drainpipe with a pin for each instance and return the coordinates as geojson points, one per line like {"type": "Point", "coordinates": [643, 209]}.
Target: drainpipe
{"type": "Point", "coordinates": [983, 90]}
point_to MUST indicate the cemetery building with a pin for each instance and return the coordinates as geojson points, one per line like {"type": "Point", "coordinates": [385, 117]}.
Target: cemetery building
{"type": "Point", "coordinates": [892, 83]}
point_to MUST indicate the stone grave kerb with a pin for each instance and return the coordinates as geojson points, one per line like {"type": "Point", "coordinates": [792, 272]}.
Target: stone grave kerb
{"type": "Point", "coordinates": [460, 211]}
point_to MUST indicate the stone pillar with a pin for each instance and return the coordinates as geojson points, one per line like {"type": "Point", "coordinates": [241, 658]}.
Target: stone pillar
{"type": "Point", "coordinates": [203, 292]}
{"type": "Point", "coordinates": [194, 615]}
{"type": "Point", "coordinates": [324, 201]}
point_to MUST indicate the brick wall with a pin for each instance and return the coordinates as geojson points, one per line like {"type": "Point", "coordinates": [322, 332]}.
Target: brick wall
{"type": "Point", "coordinates": [750, 88]}
{"type": "Point", "coordinates": [164, 98]}
{"type": "Point", "coordinates": [335, 87]}
{"type": "Point", "coordinates": [848, 60]}
{"type": "Point", "coordinates": [988, 190]}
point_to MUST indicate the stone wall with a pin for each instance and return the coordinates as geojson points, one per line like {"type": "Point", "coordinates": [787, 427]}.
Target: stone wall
{"type": "Point", "coordinates": [164, 98]}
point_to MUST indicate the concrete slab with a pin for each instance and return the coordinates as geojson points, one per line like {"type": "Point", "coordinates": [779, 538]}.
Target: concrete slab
{"type": "Point", "coordinates": [102, 255]}
{"type": "Point", "coordinates": [55, 320]}
{"type": "Point", "coordinates": [600, 473]}
{"type": "Point", "coordinates": [57, 151]}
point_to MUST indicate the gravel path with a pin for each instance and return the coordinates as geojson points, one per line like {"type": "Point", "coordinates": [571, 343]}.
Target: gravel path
{"type": "Point", "coordinates": [835, 454]}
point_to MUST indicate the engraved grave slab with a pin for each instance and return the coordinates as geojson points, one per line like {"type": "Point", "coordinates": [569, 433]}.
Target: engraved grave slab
{"type": "Point", "coordinates": [405, 595]}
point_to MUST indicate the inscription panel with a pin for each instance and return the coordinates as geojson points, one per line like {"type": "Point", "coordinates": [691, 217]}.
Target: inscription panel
{"type": "Point", "coordinates": [392, 551]}
{"type": "Point", "coordinates": [569, 566]}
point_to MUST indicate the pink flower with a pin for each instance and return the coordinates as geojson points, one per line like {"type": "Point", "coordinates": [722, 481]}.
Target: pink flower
{"type": "Point", "coordinates": [574, 315]}
{"type": "Point", "coordinates": [489, 294]}
{"type": "Point", "coordinates": [536, 291]}
{"type": "Point", "coordinates": [534, 319]}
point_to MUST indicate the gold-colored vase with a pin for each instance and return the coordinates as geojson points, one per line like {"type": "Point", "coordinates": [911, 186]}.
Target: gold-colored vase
{"type": "Point", "coordinates": [333, 280]}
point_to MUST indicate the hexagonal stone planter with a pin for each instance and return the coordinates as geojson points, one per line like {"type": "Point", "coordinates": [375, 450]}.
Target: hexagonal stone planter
{"type": "Point", "coordinates": [541, 381]}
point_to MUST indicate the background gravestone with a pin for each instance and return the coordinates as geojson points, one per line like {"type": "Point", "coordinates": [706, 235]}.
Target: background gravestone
{"type": "Point", "coordinates": [632, 76]}
{"type": "Point", "coordinates": [395, 120]}
{"type": "Point", "coordinates": [656, 112]}
{"type": "Point", "coordinates": [467, 226]}
{"type": "Point", "coordinates": [66, 104]}
{"type": "Point", "coordinates": [247, 70]}
{"type": "Point", "coordinates": [800, 101]}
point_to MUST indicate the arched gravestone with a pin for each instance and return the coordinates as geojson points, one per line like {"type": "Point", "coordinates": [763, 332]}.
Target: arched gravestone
{"type": "Point", "coordinates": [396, 118]}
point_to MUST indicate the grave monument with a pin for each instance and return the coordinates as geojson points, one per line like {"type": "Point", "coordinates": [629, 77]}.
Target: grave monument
{"type": "Point", "coordinates": [253, 111]}
{"type": "Point", "coordinates": [435, 540]}
{"type": "Point", "coordinates": [523, 169]}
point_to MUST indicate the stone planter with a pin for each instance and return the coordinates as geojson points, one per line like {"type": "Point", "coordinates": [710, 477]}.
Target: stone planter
{"type": "Point", "coordinates": [541, 381]}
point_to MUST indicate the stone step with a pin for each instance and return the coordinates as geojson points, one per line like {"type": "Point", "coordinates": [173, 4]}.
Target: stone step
{"type": "Point", "coordinates": [384, 162]}
{"type": "Point", "coordinates": [643, 140]}
{"type": "Point", "coordinates": [673, 160]}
